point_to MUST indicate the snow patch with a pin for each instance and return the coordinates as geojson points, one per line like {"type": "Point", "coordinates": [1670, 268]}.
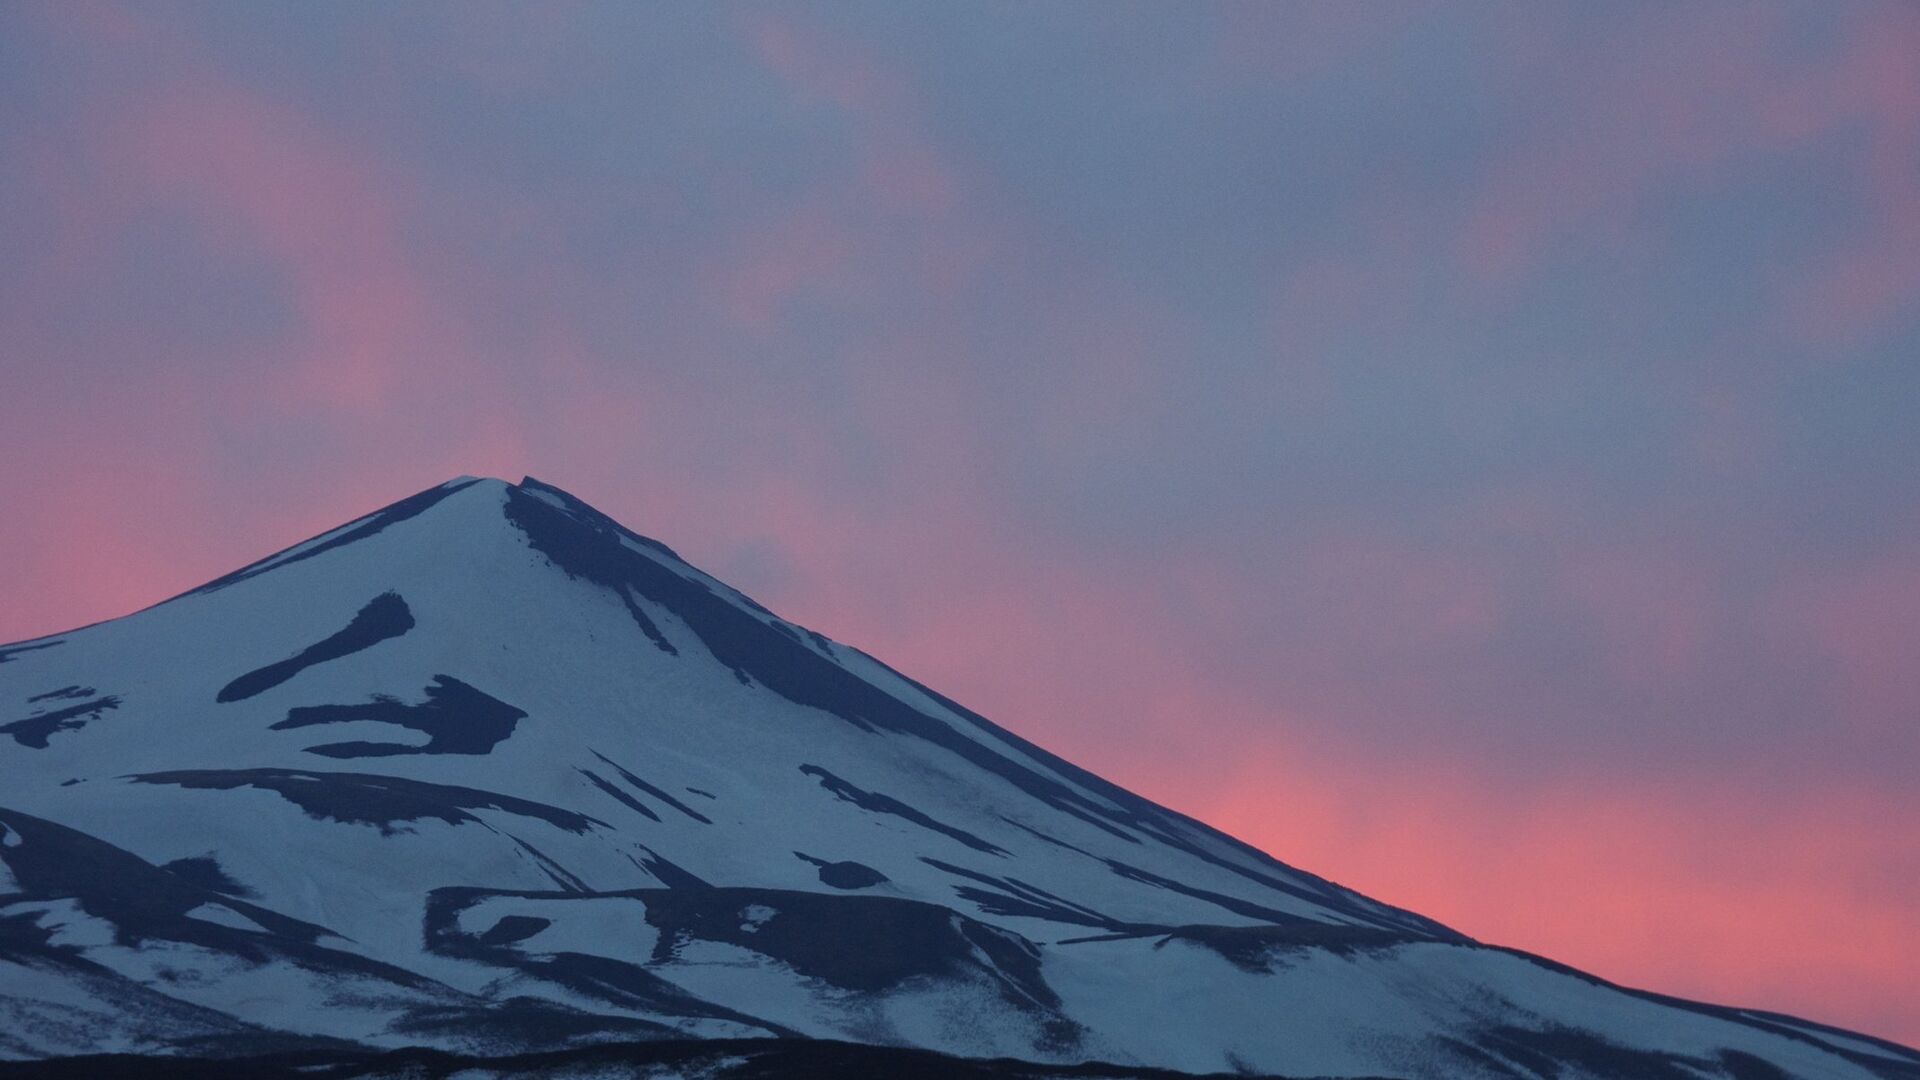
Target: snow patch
{"type": "Point", "coordinates": [223, 915]}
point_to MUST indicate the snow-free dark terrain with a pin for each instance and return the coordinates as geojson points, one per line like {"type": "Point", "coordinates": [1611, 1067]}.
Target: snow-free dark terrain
{"type": "Point", "coordinates": [486, 774]}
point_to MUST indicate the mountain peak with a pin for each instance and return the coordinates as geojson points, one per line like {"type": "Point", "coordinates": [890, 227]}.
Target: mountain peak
{"type": "Point", "coordinates": [450, 522]}
{"type": "Point", "coordinates": [508, 775]}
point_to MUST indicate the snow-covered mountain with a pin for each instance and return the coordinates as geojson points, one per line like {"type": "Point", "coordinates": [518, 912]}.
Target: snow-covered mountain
{"type": "Point", "coordinates": [486, 772]}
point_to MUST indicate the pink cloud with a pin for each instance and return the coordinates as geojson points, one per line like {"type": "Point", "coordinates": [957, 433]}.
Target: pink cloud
{"type": "Point", "coordinates": [1860, 625]}
{"type": "Point", "coordinates": [263, 179]}
{"type": "Point", "coordinates": [1288, 42]}
{"type": "Point", "coordinates": [97, 543]}
{"type": "Point", "coordinates": [1654, 613]}
{"type": "Point", "coordinates": [1673, 105]}
{"type": "Point", "coordinates": [1660, 884]}
{"type": "Point", "coordinates": [822, 65]}
{"type": "Point", "coordinates": [901, 166]}
{"type": "Point", "coordinates": [318, 208]}
{"type": "Point", "coordinates": [1365, 591]}
{"type": "Point", "coordinates": [811, 252]}
{"type": "Point", "coordinates": [1876, 88]}
{"type": "Point", "coordinates": [1678, 92]}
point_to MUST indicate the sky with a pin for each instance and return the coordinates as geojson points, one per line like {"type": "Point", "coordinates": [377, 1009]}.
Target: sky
{"type": "Point", "coordinates": [1470, 451]}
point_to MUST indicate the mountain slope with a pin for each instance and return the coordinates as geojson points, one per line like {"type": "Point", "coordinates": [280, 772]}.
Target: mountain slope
{"type": "Point", "coordinates": [487, 772]}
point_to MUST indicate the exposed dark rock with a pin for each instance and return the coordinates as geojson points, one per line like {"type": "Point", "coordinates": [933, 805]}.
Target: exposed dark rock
{"type": "Point", "coordinates": [456, 718]}
{"type": "Point", "coordinates": [8, 652]}
{"type": "Point", "coordinates": [385, 616]}
{"type": "Point", "coordinates": [34, 731]}
{"type": "Point", "coordinates": [206, 872]}
{"type": "Point", "coordinates": [657, 793]}
{"type": "Point", "coordinates": [845, 874]}
{"type": "Point", "coordinates": [886, 804]}
{"type": "Point", "coordinates": [362, 799]}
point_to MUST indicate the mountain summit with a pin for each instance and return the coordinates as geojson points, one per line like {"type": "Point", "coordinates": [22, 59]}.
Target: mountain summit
{"type": "Point", "coordinates": [486, 772]}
